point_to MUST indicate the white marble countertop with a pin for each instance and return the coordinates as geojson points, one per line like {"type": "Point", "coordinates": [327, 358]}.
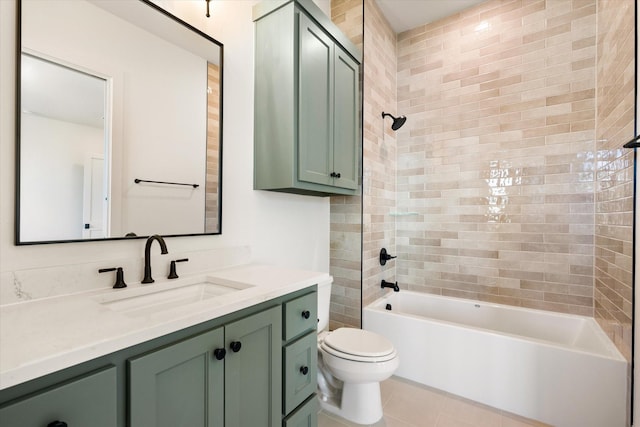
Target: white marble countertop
{"type": "Point", "coordinates": [43, 336]}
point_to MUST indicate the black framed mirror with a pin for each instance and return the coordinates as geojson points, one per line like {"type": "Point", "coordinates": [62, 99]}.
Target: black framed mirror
{"type": "Point", "coordinates": [119, 123]}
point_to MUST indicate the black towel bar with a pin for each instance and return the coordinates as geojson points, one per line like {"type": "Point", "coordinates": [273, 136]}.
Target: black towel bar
{"type": "Point", "coordinates": [634, 143]}
{"type": "Point", "coordinates": [138, 181]}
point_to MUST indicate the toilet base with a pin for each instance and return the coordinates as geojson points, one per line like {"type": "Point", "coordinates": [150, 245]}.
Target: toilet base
{"type": "Point", "coordinates": [361, 403]}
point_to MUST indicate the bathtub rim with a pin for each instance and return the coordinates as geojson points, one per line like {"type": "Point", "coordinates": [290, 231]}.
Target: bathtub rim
{"type": "Point", "coordinates": [614, 353]}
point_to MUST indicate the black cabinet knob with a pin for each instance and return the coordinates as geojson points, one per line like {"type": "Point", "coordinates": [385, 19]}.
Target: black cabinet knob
{"type": "Point", "coordinates": [235, 346]}
{"type": "Point", "coordinates": [219, 353]}
{"type": "Point", "coordinates": [57, 424]}
{"type": "Point", "coordinates": [304, 370]}
{"type": "Point", "coordinates": [306, 314]}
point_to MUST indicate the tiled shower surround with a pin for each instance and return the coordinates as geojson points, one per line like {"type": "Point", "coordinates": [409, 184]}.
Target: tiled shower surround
{"type": "Point", "coordinates": [365, 220]}
{"type": "Point", "coordinates": [511, 182]}
{"type": "Point", "coordinates": [498, 167]}
{"type": "Point", "coordinates": [498, 160]}
{"type": "Point", "coordinates": [614, 170]}
{"type": "Point", "coordinates": [346, 211]}
{"type": "Point", "coordinates": [379, 152]}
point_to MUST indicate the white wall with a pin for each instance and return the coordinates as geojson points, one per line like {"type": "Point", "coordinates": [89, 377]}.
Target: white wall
{"type": "Point", "coordinates": [53, 176]}
{"type": "Point", "coordinates": [281, 229]}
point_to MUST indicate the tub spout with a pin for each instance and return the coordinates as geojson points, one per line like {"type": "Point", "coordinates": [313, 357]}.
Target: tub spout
{"type": "Point", "coordinates": [394, 286]}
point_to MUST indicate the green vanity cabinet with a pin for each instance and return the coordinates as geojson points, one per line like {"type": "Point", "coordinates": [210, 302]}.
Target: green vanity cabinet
{"type": "Point", "coordinates": [89, 400]}
{"type": "Point", "coordinates": [179, 385]}
{"type": "Point", "coordinates": [305, 416]}
{"type": "Point", "coordinates": [300, 376]}
{"type": "Point", "coordinates": [300, 361]}
{"type": "Point", "coordinates": [228, 376]}
{"type": "Point", "coordinates": [307, 97]}
{"type": "Point", "coordinates": [253, 374]}
{"type": "Point", "coordinates": [235, 371]}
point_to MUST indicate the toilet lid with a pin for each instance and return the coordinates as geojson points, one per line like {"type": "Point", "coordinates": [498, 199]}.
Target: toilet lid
{"type": "Point", "coordinates": [358, 342]}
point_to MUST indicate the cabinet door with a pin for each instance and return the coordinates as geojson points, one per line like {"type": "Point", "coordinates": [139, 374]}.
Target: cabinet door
{"type": "Point", "coordinates": [315, 103]}
{"type": "Point", "coordinates": [346, 121]}
{"type": "Point", "coordinates": [87, 401]}
{"type": "Point", "coordinates": [253, 370]}
{"type": "Point", "coordinates": [179, 385]}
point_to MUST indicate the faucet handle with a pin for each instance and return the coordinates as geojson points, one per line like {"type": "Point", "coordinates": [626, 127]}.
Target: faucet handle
{"type": "Point", "coordinates": [172, 270]}
{"type": "Point", "coordinates": [119, 276]}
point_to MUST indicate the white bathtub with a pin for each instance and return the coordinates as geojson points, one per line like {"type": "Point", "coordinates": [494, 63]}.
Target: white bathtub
{"type": "Point", "coordinates": [556, 368]}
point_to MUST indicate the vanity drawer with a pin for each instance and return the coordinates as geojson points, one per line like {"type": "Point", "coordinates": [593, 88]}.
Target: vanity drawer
{"type": "Point", "coordinates": [301, 315]}
{"type": "Point", "coordinates": [300, 371]}
{"type": "Point", "coordinates": [85, 401]}
{"type": "Point", "coordinates": [305, 416]}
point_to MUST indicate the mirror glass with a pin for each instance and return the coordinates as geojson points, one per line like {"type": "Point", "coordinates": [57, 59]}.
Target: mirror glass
{"type": "Point", "coordinates": [120, 125]}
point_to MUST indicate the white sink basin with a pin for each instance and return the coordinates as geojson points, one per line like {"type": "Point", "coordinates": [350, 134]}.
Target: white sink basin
{"type": "Point", "coordinates": [154, 298]}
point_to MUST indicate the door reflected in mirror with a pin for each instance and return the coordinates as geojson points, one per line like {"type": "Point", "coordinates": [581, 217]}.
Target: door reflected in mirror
{"type": "Point", "coordinates": [63, 137]}
{"type": "Point", "coordinates": [110, 93]}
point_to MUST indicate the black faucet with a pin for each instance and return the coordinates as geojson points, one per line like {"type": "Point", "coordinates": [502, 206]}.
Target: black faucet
{"type": "Point", "coordinates": [147, 256]}
{"type": "Point", "coordinates": [391, 285]}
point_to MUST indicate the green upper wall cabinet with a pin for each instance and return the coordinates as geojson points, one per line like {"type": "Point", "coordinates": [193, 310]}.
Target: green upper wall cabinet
{"type": "Point", "coordinates": [307, 98]}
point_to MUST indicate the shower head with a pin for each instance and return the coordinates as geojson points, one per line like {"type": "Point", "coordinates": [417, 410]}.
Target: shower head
{"type": "Point", "coordinates": [397, 121]}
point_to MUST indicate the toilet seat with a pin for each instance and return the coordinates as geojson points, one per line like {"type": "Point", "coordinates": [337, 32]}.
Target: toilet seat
{"type": "Point", "coordinates": [358, 345]}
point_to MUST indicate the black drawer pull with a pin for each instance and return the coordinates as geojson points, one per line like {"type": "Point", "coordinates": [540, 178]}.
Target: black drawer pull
{"type": "Point", "coordinates": [304, 370]}
{"type": "Point", "coordinates": [219, 353]}
{"type": "Point", "coordinates": [57, 424]}
{"type": "Point", "coordinates": [235, 346]}
{"type": "Point", "coordinates": [306, 314]}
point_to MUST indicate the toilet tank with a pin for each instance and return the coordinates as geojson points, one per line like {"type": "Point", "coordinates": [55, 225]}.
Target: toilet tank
{"type": "Point", "coordinates": [324, 301]}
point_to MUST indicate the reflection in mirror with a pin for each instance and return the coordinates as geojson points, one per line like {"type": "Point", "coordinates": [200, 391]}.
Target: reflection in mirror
{"type": "Point", "coordinates": [63, 136]}
{"type": "Point", "coordinates": [113, 92]}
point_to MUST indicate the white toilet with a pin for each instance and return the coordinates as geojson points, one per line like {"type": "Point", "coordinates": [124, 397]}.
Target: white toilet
{"type": "Point", "coordinates": [351, 364]}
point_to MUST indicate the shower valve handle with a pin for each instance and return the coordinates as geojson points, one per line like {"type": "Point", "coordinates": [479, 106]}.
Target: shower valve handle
{"type": "Point", "coordinates": [384, 256]}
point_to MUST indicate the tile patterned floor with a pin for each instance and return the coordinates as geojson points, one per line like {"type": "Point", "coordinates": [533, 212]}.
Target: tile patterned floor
{"type": "Point", "coordinates": [407, 404]}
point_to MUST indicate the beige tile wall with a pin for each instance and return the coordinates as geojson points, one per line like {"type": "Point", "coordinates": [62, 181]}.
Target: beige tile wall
{"type": "Point", "coordinates": [211, 220]}
{"type": "Point", "coordinates": [379, 148]}
{"type": "Point", "coordinates": [508, 180]}
{"type": "Point", "coordinates": [364, 224]}
{"type": "Point", "coordinates": [614, 170]}
{"type": "Point", "coordinates": [496, 165]}
{"type": "Point", "coordinates": [345, 260]}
